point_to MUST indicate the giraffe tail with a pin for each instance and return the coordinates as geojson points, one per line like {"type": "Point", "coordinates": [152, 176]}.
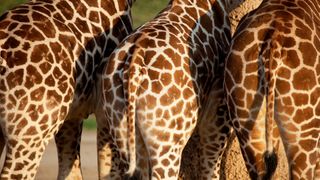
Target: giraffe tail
{"type": "Point", "coordinates": [270, 157]}
{"type": "Point", "coordinates": [134, 75]}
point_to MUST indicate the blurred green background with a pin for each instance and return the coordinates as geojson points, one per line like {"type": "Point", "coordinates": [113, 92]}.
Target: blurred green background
{"type": "Point", "coordinates": [142, 11]}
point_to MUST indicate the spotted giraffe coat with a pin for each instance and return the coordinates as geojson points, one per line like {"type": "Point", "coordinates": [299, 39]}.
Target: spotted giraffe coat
{"type": "Point", "coordinates": [273, 66]}
{"type": "Point", "coordinates": [160, 82]}
{"type": "Point", "coordinates": [51, 55]}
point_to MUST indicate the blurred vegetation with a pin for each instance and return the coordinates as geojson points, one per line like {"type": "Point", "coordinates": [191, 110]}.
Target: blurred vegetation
{"type": "Point", "coordinates": [142, 11]}
{"type": "Point", "coordinates": [7, 4]}
{"type": "Point", "coordinates": [90, 123]}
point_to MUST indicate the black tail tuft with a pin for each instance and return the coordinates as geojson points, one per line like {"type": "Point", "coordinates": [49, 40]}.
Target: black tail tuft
{"type": "Point", "coordinates": [271, 162]}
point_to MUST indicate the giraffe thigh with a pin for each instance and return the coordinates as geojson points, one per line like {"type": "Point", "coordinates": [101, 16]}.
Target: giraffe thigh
{"type": "Point", "coordinates": [23, 155]}
{"type": "Point", "coordinates": [110, 117]}
{"type": "Point", "coordinates": [68, 141]}
{"type": "Point", "coordinates": [247, 108]}
{"type": "Point", "coordinates": [165, 130]}
{"type": "Point", "coordinates": [108, 157]}
{"type": "Point", "coordinates": [112, 160]}
{"type": "Point", "coordinates": [24, 152]}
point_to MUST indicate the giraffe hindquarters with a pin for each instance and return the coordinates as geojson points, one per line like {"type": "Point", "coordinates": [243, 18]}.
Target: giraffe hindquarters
{"type": "Point", "coordinates": [246, 99]}
{"type": "Point", "coordinates": [68, 141]}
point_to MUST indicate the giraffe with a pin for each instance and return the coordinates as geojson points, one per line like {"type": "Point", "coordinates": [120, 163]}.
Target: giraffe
{"type": "Point", "coordinates": [159, 82]}
{"type": "Point", "coordinates": [272, 65]}
{"type": "Point", "coordinates": [51, 54]}
{"type": "Point", "coordinates": [230, 164]}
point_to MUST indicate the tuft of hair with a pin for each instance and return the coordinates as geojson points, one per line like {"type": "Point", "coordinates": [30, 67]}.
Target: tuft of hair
{"type": "Point", "coordinates": [271, 162]}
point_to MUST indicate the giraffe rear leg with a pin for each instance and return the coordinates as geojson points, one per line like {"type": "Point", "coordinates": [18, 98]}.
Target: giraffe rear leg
{"type": "Point", "coordinates": [108, 156]}
{"type": "Point", "coordinates": [68, 141]}
{"type": "Point", "coordinates": [214, 134]}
